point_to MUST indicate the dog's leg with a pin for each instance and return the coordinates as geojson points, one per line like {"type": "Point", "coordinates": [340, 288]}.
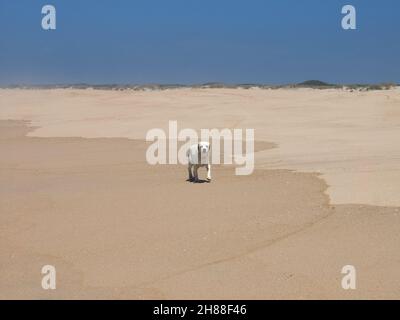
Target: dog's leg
{"type": "Point", "coordinates": [196, 174]}
{"type": "Point", "coordinates": [190, 172]}
{"type": "Point", "coordinates": [208, 172]}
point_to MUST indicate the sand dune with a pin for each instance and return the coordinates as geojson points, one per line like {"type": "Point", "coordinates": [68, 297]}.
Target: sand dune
{"type": "Point", "coordinates": [351, 138]}
{"type": "Point", "coordinates": [116, 227]}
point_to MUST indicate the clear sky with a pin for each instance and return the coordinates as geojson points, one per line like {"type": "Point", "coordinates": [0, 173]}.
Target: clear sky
{"type": "Point", "coordinates": [197, 41]}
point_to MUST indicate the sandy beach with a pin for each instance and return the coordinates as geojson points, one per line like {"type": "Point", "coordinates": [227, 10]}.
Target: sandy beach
{"type": "Point", "coordinates": [76, 192]}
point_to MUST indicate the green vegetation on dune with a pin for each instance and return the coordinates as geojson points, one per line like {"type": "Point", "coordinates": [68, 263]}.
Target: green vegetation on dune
{"type": "Point", "coordinates": [313, 84]}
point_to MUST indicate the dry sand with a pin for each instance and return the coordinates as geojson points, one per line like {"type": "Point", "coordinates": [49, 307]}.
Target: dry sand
{"type": "Point", "coordinates": [117, 227]}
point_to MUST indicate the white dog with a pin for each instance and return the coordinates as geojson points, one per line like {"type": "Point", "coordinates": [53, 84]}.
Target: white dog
{"type": "Point", "coordinates": [199, 156]}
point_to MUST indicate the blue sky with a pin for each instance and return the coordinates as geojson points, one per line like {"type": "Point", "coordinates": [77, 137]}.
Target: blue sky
{"type": "Point", "coordinates": [192, 41]}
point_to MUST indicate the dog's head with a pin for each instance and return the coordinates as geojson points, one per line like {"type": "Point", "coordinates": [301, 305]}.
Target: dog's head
{"type": "Point", "coordinates": [203, 147]}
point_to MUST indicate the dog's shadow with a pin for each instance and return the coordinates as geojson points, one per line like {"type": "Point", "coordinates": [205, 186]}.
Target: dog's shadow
{"type": "Point", "coordinates": [198, 181]}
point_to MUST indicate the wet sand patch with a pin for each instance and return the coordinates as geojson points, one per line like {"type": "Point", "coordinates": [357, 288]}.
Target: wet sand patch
{"type": "Point", "coordinates": [116, 227]}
